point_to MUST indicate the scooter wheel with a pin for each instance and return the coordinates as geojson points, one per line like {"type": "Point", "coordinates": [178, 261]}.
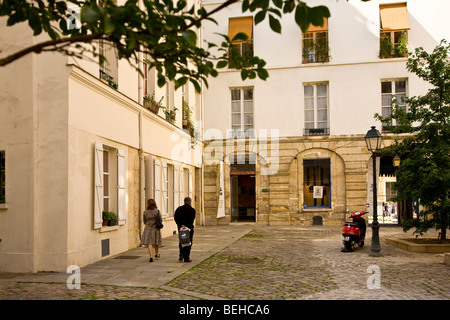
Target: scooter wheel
{"type": "Point", "coordinates": [348, 246]}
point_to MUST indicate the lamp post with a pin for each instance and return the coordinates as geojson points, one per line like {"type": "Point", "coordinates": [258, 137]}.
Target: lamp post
{"type": "Point", "coordinates": [373, 141]}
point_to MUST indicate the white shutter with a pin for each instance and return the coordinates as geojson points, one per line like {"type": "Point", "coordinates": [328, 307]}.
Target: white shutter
{"type": "Point", "coordinates": [157, 182]}
{"type": "Point", "coordinates": [190, 184]}
{"type": "Point", "coordinates": [181, 185]}
{"type": "Point", "coordinates": [148, 178]}
{"type": "Point", "coordinates": [98, 185]}
{"type": "Point", "coordinates": [121, 186]}
{"type": "Point", "coordinates": [176, 187]}
{"type": "Point", "coordinates": [164, 191]}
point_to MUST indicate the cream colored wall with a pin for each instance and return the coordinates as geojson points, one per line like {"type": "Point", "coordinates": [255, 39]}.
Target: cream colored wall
{"type": "Point", "coordinates": [353, 73]}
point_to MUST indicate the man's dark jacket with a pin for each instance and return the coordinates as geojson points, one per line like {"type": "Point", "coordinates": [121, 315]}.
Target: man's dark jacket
{"type": "Point", "coordinates": [185, 215]}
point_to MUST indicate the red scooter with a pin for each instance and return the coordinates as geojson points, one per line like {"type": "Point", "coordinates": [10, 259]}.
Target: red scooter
{"type": "Point", "coordinates": [354, 232]}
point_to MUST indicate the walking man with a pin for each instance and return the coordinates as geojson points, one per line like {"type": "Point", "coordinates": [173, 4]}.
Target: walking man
{"type": "Point", "coordinates": [185, 216]}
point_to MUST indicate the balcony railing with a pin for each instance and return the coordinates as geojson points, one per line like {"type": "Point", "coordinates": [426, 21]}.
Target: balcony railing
{"type": "Point", "coordinates": [316, 132]}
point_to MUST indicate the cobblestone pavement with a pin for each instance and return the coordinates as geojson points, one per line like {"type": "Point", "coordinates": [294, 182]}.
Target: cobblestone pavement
{"type": "Point", "coordinates": [282, 262]}
{"type": "Point", "coordinates": [306, 263]}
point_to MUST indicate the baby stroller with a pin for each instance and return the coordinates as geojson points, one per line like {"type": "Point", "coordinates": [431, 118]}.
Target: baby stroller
{"type": "Point", "coordinates": [185, 243]}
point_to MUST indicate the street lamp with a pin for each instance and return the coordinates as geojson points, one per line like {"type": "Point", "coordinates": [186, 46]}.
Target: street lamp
{"type": "Point", "coordinates": [396, 161]}
{"type": "Point", "coordinates": [373, 141]}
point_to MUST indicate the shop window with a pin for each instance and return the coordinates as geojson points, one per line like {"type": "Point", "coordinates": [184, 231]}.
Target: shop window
{"type": "Point", "coordinates": [316, 183]}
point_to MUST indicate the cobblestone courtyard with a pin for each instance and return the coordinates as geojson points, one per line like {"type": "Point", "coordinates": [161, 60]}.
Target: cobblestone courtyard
{"type": "Point", "coordinates": [269, 263]}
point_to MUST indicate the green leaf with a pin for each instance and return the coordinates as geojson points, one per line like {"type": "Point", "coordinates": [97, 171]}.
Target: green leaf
{"type": "Point", "coordinates": [240, 36]}
{"type": "Point", "coordinates": [278, 3]}
{"type": "Point", "coordinates": [161, 80]}
{"type": "Point", "coordinates": [190, 36]}
{"type": "Point", "coordinates": [197, 87]}
{"type": "Point", "coordinates": [275, 24]}
{"type": "Point", "coordinates": [317, 14]}
{"type": "Point", "coordinates": [109, 26]}
{"type": "Point", "coordinates": [245, 5]}
{"type": "Point", "coordinates": [260, 16]}
{"type": "Point", "coordinates": [34, 22]}
{"type": "Point", "coordinates": [180, 82]}
{"type": "Point", "coordinates": [222, 64]}
{"type": "Point", "coordinates": [88, 15]}
{"type": "Point", "coordinates": [302, 18]}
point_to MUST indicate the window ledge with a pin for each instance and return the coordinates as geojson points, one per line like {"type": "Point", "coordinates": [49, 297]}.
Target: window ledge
{"type": "Point", "coordinates": [3, 206]}
{"type": "Point", "coordinates": [311, 209]}
{"type": "Point", "coordinates": [108, 229]}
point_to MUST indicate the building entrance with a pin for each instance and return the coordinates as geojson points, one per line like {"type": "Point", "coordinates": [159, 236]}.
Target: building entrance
{"type": "Point", "coordinates": [390, 211]}
{"type": "Point", "coordinates": [243, 196]}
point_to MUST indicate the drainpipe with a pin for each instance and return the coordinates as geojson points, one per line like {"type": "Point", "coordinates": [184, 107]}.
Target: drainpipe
{"type": "Point", "coordinates": [202, 109]}
{"type": "Point", "coordinates": [141, 154]}
{"type": "Point", "coordinates": [141, 176]}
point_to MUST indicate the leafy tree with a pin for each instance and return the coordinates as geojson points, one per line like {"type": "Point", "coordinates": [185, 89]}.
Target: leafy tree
{"type": "Point", "coordinates": [425, 172]}
{"type": "Point", "coordinates": [163, 29]}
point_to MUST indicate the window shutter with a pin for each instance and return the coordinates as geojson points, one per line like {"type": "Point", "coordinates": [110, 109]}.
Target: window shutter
{"type": "Point", "coordinates": [190, 183]}
{"type": "Point", "coordinates": [157, 182]}
{"type": "Point", "coordinates": [164, 190]}
{"type": "Point", "coordinates": [149, 178]}
{"type": "Point", "coordinates": [242, 24]}
{"type": "Point", "coordinates": [121, 186]}
{"type": "Point", "coordinates": [181, 185]}
{"type": "Point", "coordinates": [176, 187]}
{"type": "Point", "coordinates": [98, 185]}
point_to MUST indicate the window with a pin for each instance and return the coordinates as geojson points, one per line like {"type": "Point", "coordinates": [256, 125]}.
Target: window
{"type": "Point", "coordinates": [242, 112]}
{"type": "Point", "coordinates": [316, 109]}
{"type": "Point", "coordinates": [110, 175]}
{"type": "Point", "coordinates": [2, 177]}
{"type": "Point", "coordinates": [109, 72]}
{"type": "Point", "coordinates": [106, 180]}
{"type": "Point", "coordinates": [241, 47]}
{"type": "Point", "coordinates": [148, 78]}
{"type": "Point", "coordinates": [316, 183]}
{"type": "Point", "coordinates": [315, 44]}
{"type": "Point", "coordinates": [392, 89]}
{"type": "Point", "coordinates": [394, 30]}
{"type": "Point", "coordinates": [391, 193]}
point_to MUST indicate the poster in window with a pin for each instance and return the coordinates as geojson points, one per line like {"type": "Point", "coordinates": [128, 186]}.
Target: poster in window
{"type": "Point", "coordinates": [318, 192]}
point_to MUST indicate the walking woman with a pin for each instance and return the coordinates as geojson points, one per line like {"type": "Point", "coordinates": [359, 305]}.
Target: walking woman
{"type": "Point", "coordinates": [151, 237]}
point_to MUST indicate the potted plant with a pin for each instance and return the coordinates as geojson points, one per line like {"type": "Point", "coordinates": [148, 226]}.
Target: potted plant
{"type": "Point", "coordinates": [110, 218]}
{"type": "Point", "coordinates": [187, 113]}
{"type": "Point", "coordinates": [401, 49]}
{"type": "Point", "coordinates": [386, 46]}
{"type": "Point", "coordinates": [171, 114]}
{"type": "Point", "coordinates": [151, 104]}
{"type": "Point", "coordinates": [322, 50]}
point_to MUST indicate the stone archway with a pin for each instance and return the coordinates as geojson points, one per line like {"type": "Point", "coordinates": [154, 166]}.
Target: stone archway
{"type": "Point", "coordinates": [332, 212]}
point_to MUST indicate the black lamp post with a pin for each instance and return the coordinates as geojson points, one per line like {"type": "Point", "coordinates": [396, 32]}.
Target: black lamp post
{"type": "Point", "coordinates": [373, 141]}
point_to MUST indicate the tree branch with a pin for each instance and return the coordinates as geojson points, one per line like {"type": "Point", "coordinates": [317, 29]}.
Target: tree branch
{"type": "Point", "coordinates": [222, 6]}
{"type": "Point", "coordinates": [41, 46]}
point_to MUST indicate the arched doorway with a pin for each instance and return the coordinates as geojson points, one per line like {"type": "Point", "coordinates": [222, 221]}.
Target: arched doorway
{"type": "Point", "coordinates": [243, 188]}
